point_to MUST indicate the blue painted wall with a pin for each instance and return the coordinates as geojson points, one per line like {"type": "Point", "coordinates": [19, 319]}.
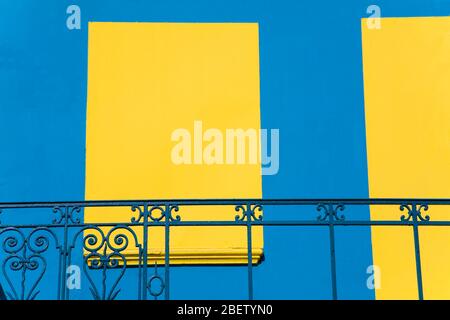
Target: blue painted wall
{"type": "Point", "coordinates": [311, 88]}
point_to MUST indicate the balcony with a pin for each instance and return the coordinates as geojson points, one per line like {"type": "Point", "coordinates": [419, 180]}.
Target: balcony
{"type": "Point", "coordinates": [37, 256]}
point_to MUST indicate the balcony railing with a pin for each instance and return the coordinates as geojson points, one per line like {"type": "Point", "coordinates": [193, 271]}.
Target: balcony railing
{"type": "Point", "coordinates": [29, 249]}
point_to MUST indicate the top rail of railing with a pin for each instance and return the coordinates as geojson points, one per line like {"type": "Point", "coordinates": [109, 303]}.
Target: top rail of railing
{"type": "Point", "coordinates": [195, 202]}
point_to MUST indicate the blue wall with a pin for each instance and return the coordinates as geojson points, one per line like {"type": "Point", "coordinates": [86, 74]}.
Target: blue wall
{"type": "Point", "coordinates": [311, 88]}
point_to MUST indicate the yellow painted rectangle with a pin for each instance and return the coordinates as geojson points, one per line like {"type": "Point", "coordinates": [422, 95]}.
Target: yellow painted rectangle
{"type": "Point", "coordinates": [146, 80]}
{"type": "Point", "coordinates": [407, 108]}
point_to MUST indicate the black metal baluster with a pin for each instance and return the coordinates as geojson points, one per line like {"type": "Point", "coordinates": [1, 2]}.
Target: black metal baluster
{"type": "Point", "coordinates": [330, 214]}
{"type": "Point", "coordinates": [167, 252]}
{"type": "Point", "coordinates": [145, 251]}
{"type": "Point", "coordinates": [415, 215]}
{"type": "Point", "coordinates": [249, 254]}
{"type": "Point", "coordinates": [333, 257]}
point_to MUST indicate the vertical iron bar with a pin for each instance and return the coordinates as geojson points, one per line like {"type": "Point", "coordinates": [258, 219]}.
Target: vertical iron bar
{"type": "Point", "coordinates": [24, 270]}
{"type": "Point", "coordinates": [69, 259]}
{"type": "Point", "coordinates": [249, 253]}
{"type": "Point", "coordinates": [332, 252]}
{"type": "Point", "coordinates": [2, 293]}
{"type": "Point", "coordinates": [417, 253]}
{"type": "Point", "coordinates": [61, 256]}
{"type": "Point", "coordinates": [167, 252]}
{"type": "Point", "coordinates": [145, 251]}
{"type": "Point", "coordinates": [104, 276]}
{"type": "Point", "coordinates": [140, 274]}
{"type": "Point", "coordinates": [65, 245]}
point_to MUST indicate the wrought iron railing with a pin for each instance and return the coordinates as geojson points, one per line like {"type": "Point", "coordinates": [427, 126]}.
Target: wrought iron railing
{"type": "Point", "coordinates": [28, 249]}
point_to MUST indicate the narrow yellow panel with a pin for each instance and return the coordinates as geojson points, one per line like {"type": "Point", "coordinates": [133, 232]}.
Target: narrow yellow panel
{"type": "Point", "coordinates": [407, 107]}
{"type": "Point", "coordinates": [146, 80]}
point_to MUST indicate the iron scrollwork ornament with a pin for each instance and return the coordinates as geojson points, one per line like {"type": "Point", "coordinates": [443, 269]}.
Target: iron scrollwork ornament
{"type": "Point", "coordinates": [330, 211]}
{"type": "Point", "coordinates": [248, 212]}
{"type": "Point", "coordinates": [414, 212]}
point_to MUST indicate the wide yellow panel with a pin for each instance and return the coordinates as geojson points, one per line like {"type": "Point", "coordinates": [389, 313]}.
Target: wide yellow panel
{"type": "Point", "coordinates": [146, 80]}
{"type": "Point", "coordinates": [407, 108]}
